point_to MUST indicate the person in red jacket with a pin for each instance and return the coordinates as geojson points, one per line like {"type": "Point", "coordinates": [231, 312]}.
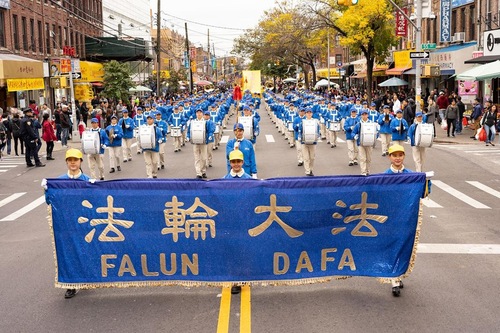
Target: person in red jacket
{"type": "Point", "coordinates": [48, 135]}
{"type": "Point", "coordinates": [442, 102]}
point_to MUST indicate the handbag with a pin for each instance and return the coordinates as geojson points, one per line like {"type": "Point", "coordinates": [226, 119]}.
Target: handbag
{"type": "Point", "coordinates": [444, 126]}
{"type": "Point", "coordinates": [465, 122]}
{"type": "Point", "coordinates": [481, 134]}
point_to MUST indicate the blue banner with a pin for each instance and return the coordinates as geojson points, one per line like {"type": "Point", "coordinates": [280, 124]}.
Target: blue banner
{"type": "Point", "coordinates": [139, 232]}
{"type": "Point", "coordinates": [445, 27]}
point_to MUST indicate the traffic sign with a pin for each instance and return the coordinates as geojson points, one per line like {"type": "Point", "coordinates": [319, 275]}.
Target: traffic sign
{"type": "Point", "coordinates": [339, 64]}
{"type": "Point", "coordinates": [428, 46]}
{"type": "Point", "coordinates": [419, 55]}
{"type": "Point", "coordinates": [77, 75]}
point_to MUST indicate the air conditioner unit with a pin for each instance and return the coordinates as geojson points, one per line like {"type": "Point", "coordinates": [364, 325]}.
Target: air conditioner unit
{"type": "Point", "coordinates": [452, 39]}
{"type": "Point", "coordinates": [459, 36]}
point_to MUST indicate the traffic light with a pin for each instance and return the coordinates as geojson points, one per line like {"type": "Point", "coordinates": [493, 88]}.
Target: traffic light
{"type": "Point", "coordinates": [347, 2]}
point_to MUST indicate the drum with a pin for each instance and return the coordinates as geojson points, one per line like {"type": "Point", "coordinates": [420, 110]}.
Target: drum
{"type": "Point", "coordinates": [309, 131]}
{"type": "Point", "coordinates": [176, 132]}
{"type": "Point", "coordinates": [91, 142]}
{"type": "Point", "coordinates": [247, 123]}
{"type": "Point", "coordinates": [368, 134]}
{"type": "Point", "coordinates": [147, 137]}
{"type": "Point", "coordinates": [290, 126]}
{"type": "Point", "coordinates": [197, 134]}
{"type": "Point", "coordinates": [424, 135]}
{"type": "Point", "coordinates": [136, 132]}
{"type": "Point", "coordinates": [334, 126]}
{"type": "Point", "coordinates": [217, 129]}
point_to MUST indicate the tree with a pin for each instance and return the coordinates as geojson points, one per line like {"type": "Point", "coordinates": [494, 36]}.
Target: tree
{"type": "Point", "coordinates": [367, 28]}
{"type": "Point", "coordinates": [175, 77]}
{"type": "Point", "coordinates": [117, 80]}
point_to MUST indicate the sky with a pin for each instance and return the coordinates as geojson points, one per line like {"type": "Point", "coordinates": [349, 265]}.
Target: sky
{"type": "Point", "coordinates": [226, 19]}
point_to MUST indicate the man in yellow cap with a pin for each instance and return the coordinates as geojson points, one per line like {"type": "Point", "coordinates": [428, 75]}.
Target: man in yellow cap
{"type": "Point", "coordinates": [397, 156]}
{"type": "Point", "coordinates": [236, 162]}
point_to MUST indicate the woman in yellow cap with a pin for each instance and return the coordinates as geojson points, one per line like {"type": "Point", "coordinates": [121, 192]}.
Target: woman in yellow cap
{"type": "Point", "coordinates": [74, 158]}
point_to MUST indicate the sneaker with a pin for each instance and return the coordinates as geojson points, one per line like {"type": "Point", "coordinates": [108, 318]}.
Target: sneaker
{"type": "Point", "coordinates": [351, 163]}
{"type": "Point", "coordinates": [235, 290]}
{"type": "Point", "coordinates": [204, 175]}
{"type": "Point", "coordinates": [50, 158]}
{"type": "Point", "coordinates": [355, 162]}
{"type": "Point", "coordinates": [102, 178]}
{"type": "Point", "coordinates": [125, 161]}
{"type": "Point", "coordinates": [384, 154]}
{"type": "Point", "coordinates": [112, 170]}
{"type": "Point", "coordinates": [300, 164]}
{"type": "Point", "coordinates": [210, 165]}
{"type": "Point", "coordinates": [492, 143]}
{"type": "Point", "coordinates": [30, 165]}
{"type": "Point", "coordinates": [39, 165]}
{"type": "Point", "coordinates": [198, 176]}
{"type": "Point", "coordinates": [70, 293]}
{"type": "Point", "coordinates": [163, 167]}
{"type": "Point", "coordinates": [155, 176]}
{"type": "Point", "coordinates": [130, 158]}
{"type": "Point", "coordinates": [119, 168]}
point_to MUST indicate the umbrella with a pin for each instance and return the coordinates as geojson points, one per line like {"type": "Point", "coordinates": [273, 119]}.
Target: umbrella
{"type": "Point", "coordinates": [203, 83]}
{"type": "Point", "coordinates": [289, 79]}
{"type": "Point", "coordinates": [140, 89]}
{"type": "Point", "coordinates": [393, 82]}
{"type": "Point", "coordinates": [324, 83]}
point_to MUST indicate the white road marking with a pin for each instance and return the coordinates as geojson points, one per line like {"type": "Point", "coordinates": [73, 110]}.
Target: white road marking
{"type": "Point", "coordinates": [11, 198]}
{"type": "Point", "coordinates": [485, 188]}
{"type": "Point", "coordinates": [224, 139]}
{"type": "Point", "coordinates": [270, 138]}
{"type": "Point", "coordinates": [26, 209]}
{"type": "Point", "coordinates": [8, 166]}
{"type": "Point", "coordinates": [431, 203]}
{"type": "Point", "coordinates": [459, 195]}
{"type": "Point", "coordinates": [4, 170]}
{"type": "Point", "coordinates": [458, 248]}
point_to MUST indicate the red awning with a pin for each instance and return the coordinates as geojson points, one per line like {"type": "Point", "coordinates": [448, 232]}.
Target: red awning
{"type": "Point", "coordinates": [97, 84]}
{"type": "Point", "coordinates": [396, 70]}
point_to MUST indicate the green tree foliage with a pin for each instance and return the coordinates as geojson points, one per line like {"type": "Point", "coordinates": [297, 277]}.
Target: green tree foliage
{"type": "Point", "coordinates": [175, 77]}
{"type": "Point", "coordinates": [117, 80]}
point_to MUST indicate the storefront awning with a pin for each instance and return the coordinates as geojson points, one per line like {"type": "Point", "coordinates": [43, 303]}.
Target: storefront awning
{"type": "Point", "coordinates": [483, 72]}
{"type": "Point", "coordinates": [482, 60]}
{"type": "Point", "coordinates": [17, 67]}
{"type": "Point", "coordinates": [397, 71]}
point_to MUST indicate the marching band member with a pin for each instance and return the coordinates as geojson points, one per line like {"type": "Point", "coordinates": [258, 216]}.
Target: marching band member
{"type": "Point", "coordinates": [290, 117]}
{"type": "Point", "coordinates": [384, 121]}
{"type": "Point", "coordinates": [127, 124]}
{"type": "Point", "coordinates": [246, 147]}
{"type": "Point", "coordinates": [217, 120]}
{"type": "Point", "coordinates": [418, 151]}
{"type": "Point", "coordinates": [115, 135]}
{"type": "Point", "coordinates": [178, 122]}
{"type": "Point", "coordinates": [365, 152]}
{"type": "Point", "coordinates": [399, 128]}
{"type": "Point", "coordinates": [139, 119]}
{"type": "Point", "coordinates": [247, 112]}
{"type": "Point", "coordinates": [96, 161]}
{"type": "Point", "coordinates": [332, 115]}
{"type": "Point", "coordinates": [200, 149]}
{"type": "Point", "coordinates": [151, 155]}
{"type": "Point", "coordinates": [373, 113]}
{"type": "Point", "coordinates": [309, 149]}
{"type": "Point", "coordinates": [349, 136]}
{"type": "Point", "coordinates": [296, 125]}
{"type": "Point", "coordinates": [163, 126]}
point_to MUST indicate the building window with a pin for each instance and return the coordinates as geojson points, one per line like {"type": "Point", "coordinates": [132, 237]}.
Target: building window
{"type": "Point", "coordinates": [15, 32]}
{"type": "Point", "coordinates": [40, 37]}
{"type": "Point", "coordinates": [53, 36]}
{"type": "Point", "coordinates": [59, 31]}
{"type": "Point", "coordinates": [472, 23]}
{"type": "Point", "coordinates": [2, 28]}
{"type": "Point", "coordinates": [24, 27]}
{"type": "Point", "coordinates": [32, 36]}
{"type": "Point", "coordinates": [47, 37]}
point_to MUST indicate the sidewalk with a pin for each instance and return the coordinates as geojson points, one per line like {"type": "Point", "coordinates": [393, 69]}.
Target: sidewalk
{"type": "Point", "coordinates": [464, 138]}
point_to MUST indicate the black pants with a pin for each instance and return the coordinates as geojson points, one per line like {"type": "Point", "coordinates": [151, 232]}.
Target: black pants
{"type": "Point", "coordinates": [16, 139]}
{"type": "Point", "coordinates": [31, 149]}
{"type": "Point", "coordinates": [451, 124]}
{"type": "Point", "coordinates": [50, 148]}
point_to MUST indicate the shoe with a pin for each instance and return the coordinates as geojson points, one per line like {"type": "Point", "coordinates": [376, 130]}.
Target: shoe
{"type": "Point", "coordinates": [453, 135]}
{"type": "Point", "coordinates": [30, 165]}
{"type": "Point", "coordinates": [163, 167]}
{"type": "Point", "coordinates": [125, 161]}
{"type": "Point", "coordinates": [395, 291]}
{"type": "Point", "coordinates": [119, 168]}
{"type": "Point", "coordinates": [204, 175]}
{"type": "Point", "coordinates": [355, 162]}
{"type": "Point", "coordinates": [310, 174]}
{"type": "Point", "coordinates": [138, 152]}
{"type": "Point", "coordinates": [300, 164]}
{"type": "Point", "coordinates": [492, 143]}
{"type": "Point", "coordinates": [175, 150]}
{"type": "Point", "coordinates": [235, 290]}
{"type": "Point", "coordinates": [158, 168]}
{"type": "Point", "coordinates": [210, 165]}
{"type": "Point", "coordinates": [50, 158]}
{"type": "Point", "coordinates": [70, 293]}
{"type": "Point", "coordinates": [487, 144]}
{"type": "Point", "coordinates": [291, 146]}
{"type": "Point", "coordinates": [17, 155]}
{"type": "Point", "coordinates": [40, 165]}
{"type": "Point", "coordinates": [351, 163]}
{"type": "Point", "coordinates": [112, 170]}
{"type": "Point", "coordinates": [102, 178]}
{"type": "Point", "coordinates": [130, 159]}
{"type": "Point", "coordinates": [198, 176]}
{"type": "Point", "coordinates": [155, 176]}
{"type": "Point", "coordinates": [384, 154]}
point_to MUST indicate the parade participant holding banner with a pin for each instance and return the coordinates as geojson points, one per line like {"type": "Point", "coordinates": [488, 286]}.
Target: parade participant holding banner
{"type": "Point", "coordinates": [98, 143]}
{"type": "Point", "coordinates": [163, 126]}
{"type": "Point", "coordinates": [127, 124]}
{"type": "Point", "coordinates": [296, 126]}
{"type": "Point", "coordinates": [421, 136]}
{"type": "Point", "coordinates": [246, 147]}
{"type": "Point", "coordinates": [352, 148]}
{"type": "Point", "coordinates": [177, 124]}
{"type": "Point", "coordinates": [151, 148]}
{"type": "Point", "coordinates": [399, 128]}
{"type": "Point", "coordinates": [139, 119]}
{"type": "Point", "coordinates": [384, 121]}
{"type": "Point", "coordinates": [309, 132]}
{"type": "Point", "coordinates": [365, 133]}
{"type": "Point", "coordinates": [115, 135]}
{"type": "Point", "coordinates": [199, 134]}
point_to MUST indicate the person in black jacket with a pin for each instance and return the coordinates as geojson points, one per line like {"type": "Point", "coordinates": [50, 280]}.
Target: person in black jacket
{"type": "Point", "coordinates": [489, 122]}
{"type": "Point", "coordinates": [16, 133]}
{"type": "Point", "coordinates": [30, 138]}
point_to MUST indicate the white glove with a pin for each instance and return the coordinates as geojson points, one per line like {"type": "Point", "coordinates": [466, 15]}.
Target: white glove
{"type": "Point", "coordinates": [114, 135]}
{"type": "Point", "coordinates": [254, 176]}
{"type": "Point", "coordinates": [103, 146]}
{"type": "Point", "coordinates": [236, 145]}
{"type": "Point", "coordinates": [159, 141]}
{"type": "Point", "coordinates": [256, 133]}
{"type": "Point", "coordinates": [92, 180]}
{"type": "Point", "coordinates": [352, 128]}
{"type": "Point", "coordinates": [356, 137]}
{"type": "Point", "coordinates": [429, 174]}
{"type": "Point", "coordinates": [209, 138]}
{"type": "Point", "coordinates": [127, 126]}
{"type": "Point", "coordinates": [44, 184]}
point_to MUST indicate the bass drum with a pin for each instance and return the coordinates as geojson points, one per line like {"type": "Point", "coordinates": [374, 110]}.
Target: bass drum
{"type": "Point", "coordinates": [424, 135]}
{"type": "Point", "coordinates": [247, 123]}
{"type": "Point", "coordinates": [309, 131]}
{"type": "Point", "coordinates": [91, 142]}
{"type": "Point", "coordinates": [176, 132]}
{"type": "Point", "coordinates": [368, 134]}
{"type": "Point", "coordinates": [334, 126]}
{"type": "Point", "coordinates": [197, 134]}
{"type": "Point", "coordinates": [147, 137]}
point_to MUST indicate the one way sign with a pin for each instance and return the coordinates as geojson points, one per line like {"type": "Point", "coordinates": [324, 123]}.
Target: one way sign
{"type": "Point", "coordinates": [77, 75]}
{"type": "Point", "coordinates": [419, 55]}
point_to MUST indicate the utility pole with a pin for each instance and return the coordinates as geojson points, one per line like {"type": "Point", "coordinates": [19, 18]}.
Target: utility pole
{"type": "Point", "coordinates": [328, 60]}
{"type": "Point", "coordinates": [189, 59]}
{"type": "Point", "coordinates": [215, 62]}
{"type": "Point", "coordinates": [158, 52]}
{"type": "Point", "coordinates": [209, 72]}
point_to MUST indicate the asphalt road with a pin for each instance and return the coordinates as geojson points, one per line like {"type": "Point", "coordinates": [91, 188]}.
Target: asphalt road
{"type": "Point", "coordinates": [453, 288]}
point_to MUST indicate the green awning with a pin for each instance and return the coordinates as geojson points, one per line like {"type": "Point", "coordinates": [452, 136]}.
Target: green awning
{"type": "Point", "coordinates": [483, 72]}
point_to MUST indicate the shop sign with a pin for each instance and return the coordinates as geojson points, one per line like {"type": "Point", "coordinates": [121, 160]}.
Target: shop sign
{"type": "Point", "coordinates": [25, 84]}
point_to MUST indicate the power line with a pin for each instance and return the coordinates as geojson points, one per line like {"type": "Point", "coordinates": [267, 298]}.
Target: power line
{"type": "Point", "coordinates": [203, 24]}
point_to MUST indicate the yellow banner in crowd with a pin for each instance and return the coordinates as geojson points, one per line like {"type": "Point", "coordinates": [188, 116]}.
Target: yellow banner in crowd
{"type": "Point", "coordinates": [251, 81]}
{"type": "Point", "coordinates": [25, 84]}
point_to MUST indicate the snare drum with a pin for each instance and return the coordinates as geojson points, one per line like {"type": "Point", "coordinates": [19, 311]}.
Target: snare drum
{"type": "Point", "coordinates": [368, 134]}
{"type": "Point", "coordinates": [197, 130]}
{"type": "Point", "coordinates": [424, 135]}
{"type": "Point", "coordinates": [147, 137]}
{"type": "Point", "coordinates": [334, 126]}
{"type": "Point", "coordinates": [91, 142]}
{"type": "Point", "coordinates": [247, 123]}
{"type": "Point", "coordinates": [309, 131]}
{"type": "Point", "coordinates": [176, 132]}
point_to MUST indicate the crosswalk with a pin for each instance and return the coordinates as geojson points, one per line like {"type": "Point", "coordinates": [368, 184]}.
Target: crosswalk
{"type": "Point", "coordinates": [10, 163]}
{"type": "Point", "coordinates": [478, 196]}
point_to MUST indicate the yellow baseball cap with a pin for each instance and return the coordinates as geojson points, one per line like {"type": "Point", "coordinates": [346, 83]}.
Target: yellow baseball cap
{"type": "Point", "coordinates": [236, 155]}
{"type": "Point", "coordinates": [395, 148]}
{"type": "Point", "coordinates": [73, 152]}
